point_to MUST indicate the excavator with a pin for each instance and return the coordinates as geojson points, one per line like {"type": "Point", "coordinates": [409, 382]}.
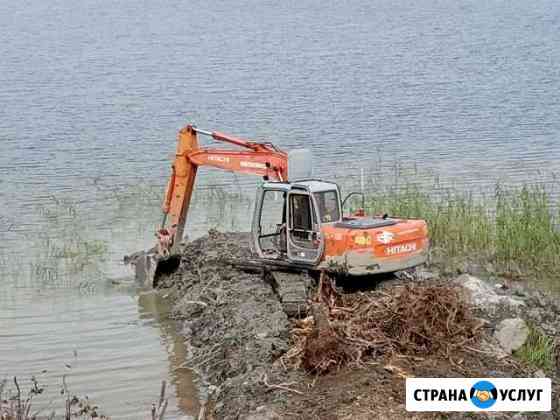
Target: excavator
{"type": "Point", "coordinates": [298, 223]}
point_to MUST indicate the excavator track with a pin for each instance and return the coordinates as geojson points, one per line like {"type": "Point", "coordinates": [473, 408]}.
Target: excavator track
{"type": "Point", "coordinates": [290, 281]}
{"type": "Point", "coordinates": [292, 290]}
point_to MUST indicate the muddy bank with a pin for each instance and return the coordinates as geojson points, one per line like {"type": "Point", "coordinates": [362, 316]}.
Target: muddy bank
{"type": "Point", "coordinates": [233, 321]}
{"type": "Point", "coordinates": [250, 358]}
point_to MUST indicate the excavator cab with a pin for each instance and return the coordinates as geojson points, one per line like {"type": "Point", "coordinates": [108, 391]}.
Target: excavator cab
{"type": "Point", "coordinates": [289, 217]}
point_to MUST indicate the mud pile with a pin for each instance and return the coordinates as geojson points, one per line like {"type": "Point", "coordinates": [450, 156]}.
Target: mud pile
{"type": "Point", "coordinates": [232, 320]}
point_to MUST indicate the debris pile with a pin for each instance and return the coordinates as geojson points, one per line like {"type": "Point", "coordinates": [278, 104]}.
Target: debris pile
{"type": "Point", "coordinates": [252, 361]}
{"type": "Point", "coordinates": [413, 319]}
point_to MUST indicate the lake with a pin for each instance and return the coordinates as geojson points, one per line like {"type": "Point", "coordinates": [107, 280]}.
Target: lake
{"type": "Point", "coordinates": [92, 95]}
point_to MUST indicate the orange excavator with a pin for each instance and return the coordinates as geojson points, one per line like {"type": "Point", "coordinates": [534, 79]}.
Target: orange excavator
{"type": "Point", "coordinates": [298, 221]}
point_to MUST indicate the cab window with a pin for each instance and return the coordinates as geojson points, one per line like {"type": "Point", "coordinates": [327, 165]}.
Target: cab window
{"type": "Point", "coordinates": [327, 201]}
{"type": "Point", "coordinates": [301, 212]}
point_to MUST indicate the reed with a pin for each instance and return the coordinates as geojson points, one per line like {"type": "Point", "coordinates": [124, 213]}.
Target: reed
{"type": "Point", "coordinates": [514, 231]}
{"type": "Point", "coordinates": [19, 404]}
{"type": "Point", "coordinates": [538, 350]}
{"type": "Point", "coordinates": [511, 231]}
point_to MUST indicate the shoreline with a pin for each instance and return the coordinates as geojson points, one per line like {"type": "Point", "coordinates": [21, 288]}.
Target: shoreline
{"type": "Point", "coordinates": [238, 338]}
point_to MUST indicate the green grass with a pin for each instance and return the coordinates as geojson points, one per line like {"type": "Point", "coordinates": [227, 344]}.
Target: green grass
{"type": "Point", "coordinates": [538, 350]}
{"type": "Point", "coordinates": [515, 231]}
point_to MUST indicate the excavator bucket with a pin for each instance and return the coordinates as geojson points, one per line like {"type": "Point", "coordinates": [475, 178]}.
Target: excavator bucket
{"type": "Point", "coordinates": [149, 266]}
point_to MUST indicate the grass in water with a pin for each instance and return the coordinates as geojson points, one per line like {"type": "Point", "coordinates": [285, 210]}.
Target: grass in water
{"type": "Point", "coordinates": [538, 350]}
{"type": "Point", "coordinates": [20, 404]}
{"type": "Point", "coordinates": [60, 251]}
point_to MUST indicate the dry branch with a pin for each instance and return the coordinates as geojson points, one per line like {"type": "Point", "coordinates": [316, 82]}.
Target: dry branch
{"type": "Point", "coordinates": [412, 320]}
{"type": "Point", "coordinates": [283, 387]}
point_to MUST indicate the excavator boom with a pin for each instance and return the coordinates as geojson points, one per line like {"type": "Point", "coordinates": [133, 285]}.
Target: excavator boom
{"type": "Point", "coordinates": [262, 159]}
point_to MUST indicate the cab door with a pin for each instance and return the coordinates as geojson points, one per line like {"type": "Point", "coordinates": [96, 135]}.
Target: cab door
{"type": "Point", "coordinates": [305, 243]}
{"type": "Point", "coordinates": [269, 223]}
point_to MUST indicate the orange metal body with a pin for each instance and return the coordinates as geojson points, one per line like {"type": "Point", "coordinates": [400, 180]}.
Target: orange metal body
{"type": "Point", "coordinates": [376, 250]}
{"type": "Point", "coordinates": [259, 159]}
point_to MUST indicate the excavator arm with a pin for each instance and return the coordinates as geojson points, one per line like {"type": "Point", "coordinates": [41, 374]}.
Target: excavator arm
{"type": "Point", "coordinates": [262, 159]}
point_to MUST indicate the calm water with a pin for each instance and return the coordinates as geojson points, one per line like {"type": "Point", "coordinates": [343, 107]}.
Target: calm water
{"type": "Point", "coordinates": [92, 94]}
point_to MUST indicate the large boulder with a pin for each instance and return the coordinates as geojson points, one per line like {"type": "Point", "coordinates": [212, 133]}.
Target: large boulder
{"type": "Point", "coordinates": [484, 295]}
{"type": "Point", "coordinates": [511, 333]}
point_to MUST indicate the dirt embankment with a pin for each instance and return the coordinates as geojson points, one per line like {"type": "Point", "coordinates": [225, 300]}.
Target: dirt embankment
{"type": "Point", "coordinates": [350, 358]}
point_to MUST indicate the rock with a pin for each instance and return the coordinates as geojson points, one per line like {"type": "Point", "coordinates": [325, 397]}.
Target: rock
{"type": "Point", "coordinates": [512, 333]}
{"type": "Point", "coordinates": [539, 374]}
{"type": "Point", "coordinates": [520, 293]}
{"type": "Point", "coordinates": [490, 268]}
{"type": "Point", "coordinates": [424, 275]}
{"type": "Point", "coordinates": [463, 267]}
{"type": "Point", "coordinates": [482, 294]}
{"type": "Point", "coordinates": [263, 413]}
{"type": "Point", "coordinates": [544, 302]}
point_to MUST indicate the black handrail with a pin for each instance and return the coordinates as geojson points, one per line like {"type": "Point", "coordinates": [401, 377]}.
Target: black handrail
{"type": "Point", "coordinates": [350, 195]}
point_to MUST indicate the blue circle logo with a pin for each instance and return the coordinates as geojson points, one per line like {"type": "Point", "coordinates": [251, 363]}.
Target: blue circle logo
{"type": "Point", "coordinates": [483, 394]}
